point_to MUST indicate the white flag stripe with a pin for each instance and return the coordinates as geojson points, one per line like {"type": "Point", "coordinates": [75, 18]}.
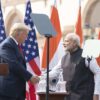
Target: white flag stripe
{"type": "Point", "coordinates": [27, 87]}
{"type": "Point", "coordinates": [30, 69]}
{"type": "Point", "coordinates": [37, 61]}
{"type": "Point", "coordinates": [57, 55]}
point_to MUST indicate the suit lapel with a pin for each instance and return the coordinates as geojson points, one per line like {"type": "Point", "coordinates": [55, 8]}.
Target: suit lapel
{"type": "Point", "coordinates": [16, 49]}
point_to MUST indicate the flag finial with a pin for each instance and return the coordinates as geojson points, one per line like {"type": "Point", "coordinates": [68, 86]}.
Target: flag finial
{"type": "Point", "coordinates": [55, 3]}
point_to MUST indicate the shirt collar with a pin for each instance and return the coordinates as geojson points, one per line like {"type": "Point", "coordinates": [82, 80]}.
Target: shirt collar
{"type": "Point", "coordinates": [14, 39]}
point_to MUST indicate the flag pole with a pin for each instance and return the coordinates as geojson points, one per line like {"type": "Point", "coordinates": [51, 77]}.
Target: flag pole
{"type": "Point", "coordinates": [79, 3]}
{"type": "Point", "coordinates": [45, 2]}
{"type": "Point", "coordinates": [55, 4]}
{"type": "Point", "coordinates": [60, 1]}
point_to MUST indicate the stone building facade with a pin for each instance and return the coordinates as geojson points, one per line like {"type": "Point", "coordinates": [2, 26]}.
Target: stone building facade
{"type": "Point", "coordinates": [13, 11]}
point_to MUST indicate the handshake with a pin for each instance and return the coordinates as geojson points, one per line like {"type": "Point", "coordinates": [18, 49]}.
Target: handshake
{"type": "Point", "coordinates": [42, 81]}
{"type": "Point", "coordinates": [35, 79]}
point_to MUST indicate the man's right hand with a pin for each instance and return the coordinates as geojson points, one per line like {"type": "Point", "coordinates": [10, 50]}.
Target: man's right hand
{"type": "Point", "coordinates": [35, 79]}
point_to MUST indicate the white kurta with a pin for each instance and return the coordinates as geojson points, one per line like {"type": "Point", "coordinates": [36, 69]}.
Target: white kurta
{"type": "Point", "coordinates": [94, 67]}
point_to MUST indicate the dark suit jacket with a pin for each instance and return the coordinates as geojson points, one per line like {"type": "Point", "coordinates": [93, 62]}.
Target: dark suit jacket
{"type": "Point", "coordinates": [13, 85]}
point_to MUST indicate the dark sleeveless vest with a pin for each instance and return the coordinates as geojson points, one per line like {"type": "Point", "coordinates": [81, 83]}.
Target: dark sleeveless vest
{"type": "Point", "coordinates": [79, 76]}
{"type": "Point", "coordinates": [83, 81]}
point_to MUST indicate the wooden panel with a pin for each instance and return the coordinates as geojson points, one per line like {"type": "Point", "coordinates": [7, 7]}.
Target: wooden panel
{"type": "Point", "coordinates": [52, 96]}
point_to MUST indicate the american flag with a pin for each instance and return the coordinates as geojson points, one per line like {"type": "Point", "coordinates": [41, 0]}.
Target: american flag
{"type": "Point", "coordinates": [30, 51]}
{"type": "Point", "coordinates": [2, 28]}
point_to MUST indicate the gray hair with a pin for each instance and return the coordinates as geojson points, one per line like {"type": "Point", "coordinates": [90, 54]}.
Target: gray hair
{"type": "Point", "coordinates": [74, 37]}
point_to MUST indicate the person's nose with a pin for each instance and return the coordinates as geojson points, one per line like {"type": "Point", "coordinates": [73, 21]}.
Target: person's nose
{"type": "Point", "coordinates": [65, 44]}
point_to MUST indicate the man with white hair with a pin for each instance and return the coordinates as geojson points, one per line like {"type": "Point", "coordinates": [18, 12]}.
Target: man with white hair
{"type": "Point", "coordinates": [78, 75]}
{"type": "Point", "coordinates": [12, 86]}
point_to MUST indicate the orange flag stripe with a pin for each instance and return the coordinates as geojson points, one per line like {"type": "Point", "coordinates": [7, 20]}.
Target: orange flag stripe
{"type": "Point", "coordinates": [99, 35]}
{"type": "Point", "coordinates": [54, 41]}
{"type": "Point", "coordinates": [79, 26]}
{"type": "Point", "coordinates": [98, 59]}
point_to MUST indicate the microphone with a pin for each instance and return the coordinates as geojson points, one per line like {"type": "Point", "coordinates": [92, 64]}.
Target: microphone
{"type": "Point", "coordinates": [53, 81]}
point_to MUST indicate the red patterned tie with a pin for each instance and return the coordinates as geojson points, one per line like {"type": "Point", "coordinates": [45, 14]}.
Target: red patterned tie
{"type": "Point", "coordinates": [20, 50]}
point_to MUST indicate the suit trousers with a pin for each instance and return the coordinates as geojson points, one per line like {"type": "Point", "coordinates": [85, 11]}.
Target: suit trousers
{"type": "Point", "coordinates": [67, 97]}
{"type": "Point", "coordinates": [84, 97]}
{"type": "Point", "coordinates": [2, 97]}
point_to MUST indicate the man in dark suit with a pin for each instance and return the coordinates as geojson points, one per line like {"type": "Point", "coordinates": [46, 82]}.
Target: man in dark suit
{"type": "Point", "coordinates": [12, 86]}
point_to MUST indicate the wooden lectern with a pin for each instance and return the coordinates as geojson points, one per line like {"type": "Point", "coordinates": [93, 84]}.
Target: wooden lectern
{"type": "Point", "coordinates": [4, 69]}
{"type": "Point", "coordinates": [52, 96]}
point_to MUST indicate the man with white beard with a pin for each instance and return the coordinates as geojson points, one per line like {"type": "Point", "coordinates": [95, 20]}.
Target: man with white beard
{"type": "Point", "coordinates": [77, 73]}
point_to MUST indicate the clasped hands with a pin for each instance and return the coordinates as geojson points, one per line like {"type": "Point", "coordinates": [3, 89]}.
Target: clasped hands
{"type": "Point", "coordinates": [35, 79]}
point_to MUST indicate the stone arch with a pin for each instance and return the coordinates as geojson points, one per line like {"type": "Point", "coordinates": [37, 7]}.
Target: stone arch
{"type": "Point", "coordinates": [13, 16]}
{"type": "Point", "coordinates": [91, 14]}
